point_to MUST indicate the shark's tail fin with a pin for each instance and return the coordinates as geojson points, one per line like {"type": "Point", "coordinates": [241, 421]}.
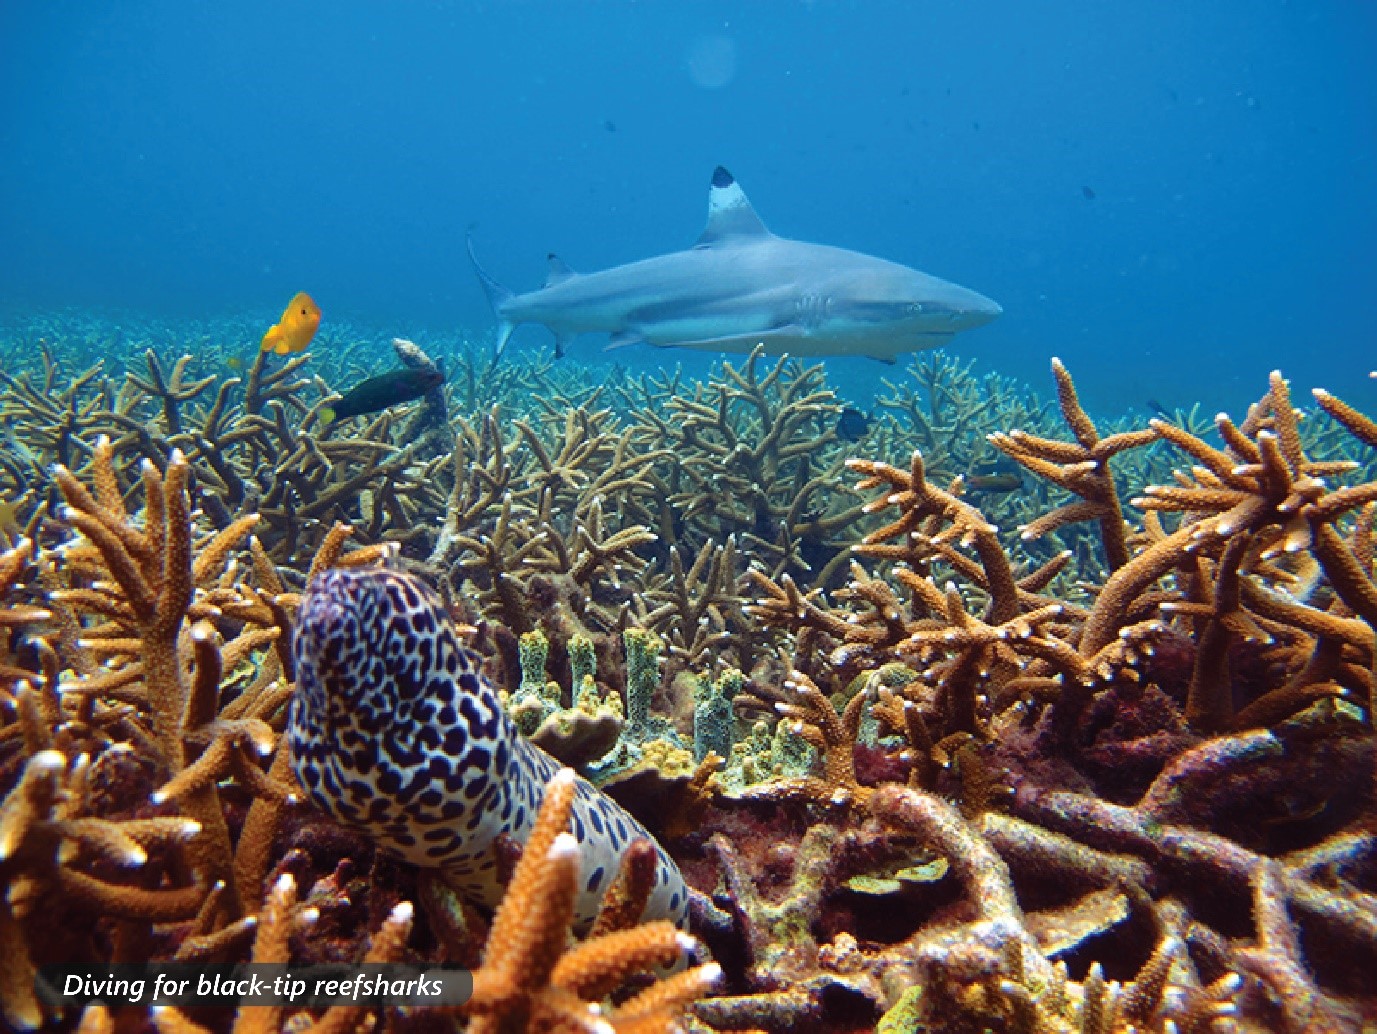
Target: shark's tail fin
{"type": "Point", "coordinates": [497, 297]}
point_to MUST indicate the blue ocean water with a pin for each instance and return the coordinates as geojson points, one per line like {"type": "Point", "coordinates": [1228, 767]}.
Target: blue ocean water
{"type": "Point", "coordinates": [1173, 197]}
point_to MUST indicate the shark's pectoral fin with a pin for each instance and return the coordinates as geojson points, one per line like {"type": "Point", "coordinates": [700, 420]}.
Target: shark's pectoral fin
{"type": "Point", "coordinates": [624, 339]}
{"type": "Point", "coordinates": [933, 340]}
{"type": "Point", "coordinates": [730, 215]}
{"type": "Point", "coordinates": [776, 341]}
{"type": "Point", "coordinates": [924, 341]}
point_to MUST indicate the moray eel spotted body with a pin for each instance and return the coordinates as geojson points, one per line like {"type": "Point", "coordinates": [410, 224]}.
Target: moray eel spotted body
{"type": "Point", "coordinates": [395, 732]}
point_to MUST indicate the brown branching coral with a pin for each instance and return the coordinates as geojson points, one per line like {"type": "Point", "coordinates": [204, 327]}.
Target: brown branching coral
{"type": "Point", "coordinates": [1263, 546]}
{"type": "Point", "coordinates": [1021, 644]}
{"type": "Point", "coordinates": [948, 411]}
{"type": "Point", "coordinates": [1247, 508]}
{"type": "Point", "coordinates": [697, 611]}
{"type": "Point", "coordinates": [283, 915]}
{"type": "Point", "coordinates": [814, 719]}
{"type": "Point", "coordinates": [255, 445]}
{"type": "Point", "coordinates": [1080, 468]}
{"type": "Point", "coordinates": [527, 521]}
{"type": "Point", "coordinates": [49, 840]}
{"type": "Point", "coordinates": [170, 389]}
{"type": "Point", "coordinates": [931, 524]}
{"type": "Point", "coordinates": [1230, 553]}
{"type": "Point", "coordinates": [131, 589]}
{"type": "Point", "coordinates": [531, 981]}
{"type": "Point", "coordinates": [152, 577]}
{"type": "Point", "coordinates": [13, 615]}
{"type": "Point", "coordinates": [1140, 748]}
{"type": "Point", "coordinates": [750, 460]}
{"type": "Point", "coordinates": [47, 417]}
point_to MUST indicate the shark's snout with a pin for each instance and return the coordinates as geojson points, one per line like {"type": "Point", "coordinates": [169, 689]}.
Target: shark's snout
{"type": "Point", "coordinates": [979, 311]}
{"type": "Point", "coordinates": [958, 308]}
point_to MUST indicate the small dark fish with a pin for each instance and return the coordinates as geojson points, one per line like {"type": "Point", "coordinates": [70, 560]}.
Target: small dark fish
{"type": "Point", "coordinates": [994, 483]}
{"type": "Point", "coordinates": [388, 389]}
{"type": "Point", "coordinates": [999, 463]}
{"type": "Point", "coordinates": [1088, 193]}
{"type": "Point", "coordinates": [609, 125]}
{"type": "Point", "coordinates": [1158, 408]}
{"type": "Point", "coordinates": [852, 424]}
{"type": "Point", "coordinates": [1295, 809]}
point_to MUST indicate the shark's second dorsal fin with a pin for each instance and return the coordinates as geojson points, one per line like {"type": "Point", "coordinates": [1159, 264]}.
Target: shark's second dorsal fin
{"type": "Point", "coordinates": [559, 271]}
{"type": "Point", "coordinates": [730, 215]}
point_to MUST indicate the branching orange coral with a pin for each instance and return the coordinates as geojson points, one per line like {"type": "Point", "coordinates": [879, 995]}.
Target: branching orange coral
{"type": "Point", "coordinates": [530, 980]}
{"type": "Point", "coordinates": [1080, 467]}
{"type": "Point", "coordinates": [1246, 509]}
{"type": "Point", "coordinates": [814, 719]}
{"type": "Point", "coordinates": [154, 574]}
{"type": "Point", "coordinates": [960, 524]}
{"type": "Point", "coordinates": [49, 843]}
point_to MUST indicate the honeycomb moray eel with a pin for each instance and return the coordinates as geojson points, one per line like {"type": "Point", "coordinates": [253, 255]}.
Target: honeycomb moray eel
{"type": "Point", "coordinates": [394, 732]}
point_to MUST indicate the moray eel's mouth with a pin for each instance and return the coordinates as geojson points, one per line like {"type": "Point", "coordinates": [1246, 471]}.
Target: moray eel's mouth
{"type": "Point", "coordinates": [331, 648]}
{"type": "Point", "coordinates": [377, 658]}
{"type": "Point", "coordinates": [329, 616]}
{"type": "Point", "coordinates": [372, 640]}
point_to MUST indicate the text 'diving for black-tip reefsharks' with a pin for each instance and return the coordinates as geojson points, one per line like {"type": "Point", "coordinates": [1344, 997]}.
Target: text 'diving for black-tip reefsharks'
{"type": "Point", "coordinates": [741, 286]}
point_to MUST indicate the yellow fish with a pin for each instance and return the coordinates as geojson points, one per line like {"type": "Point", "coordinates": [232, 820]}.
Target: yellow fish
{"type": "Point", "coordinates": [296, 328]}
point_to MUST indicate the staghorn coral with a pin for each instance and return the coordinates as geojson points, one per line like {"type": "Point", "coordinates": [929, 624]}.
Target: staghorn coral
{"type": "Point", "coordinates": [1021, 643]}
{"type": "Point", "coordinates": [530, 980]}
{"type": "Point", "coordinates": [814, 719]}
{"type": "Point", "coordinates": [254, 443]}
{"type": "Point", "coordinates": [1150, 784]}
{"type": "Point", "coordinates": [50, 841]}
{"type": "Point", "coordinates": [145, 593]}
{"type": "Point", "coordinates": [1080, 468]}
{"type": "Point", "coordinates": [750, 461]}
{"type": "Point", "coordinates": [150, 697]}
{"type": "Point", "coordinates": [947, 412]}
{"type": "Point", "coordinates": [696, 610]}
{"type": "Point", "coordinates": [283, 915]}
{"type": "Point", "coordinates": [526, 525]}
{"type": "Point", "coordinates": [16, 616]}
{"type": "Point", "coordinates": [989, 657]}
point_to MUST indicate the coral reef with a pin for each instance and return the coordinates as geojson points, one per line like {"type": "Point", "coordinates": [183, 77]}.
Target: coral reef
{"type": "Point", "coordinates": [1002, 717]}
{"type": "Point", "coordinates": [530, 979]}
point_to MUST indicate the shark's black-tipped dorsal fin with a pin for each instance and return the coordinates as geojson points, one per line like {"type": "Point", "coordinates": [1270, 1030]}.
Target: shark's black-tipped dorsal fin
{"type": "Point", "coordinates": [559, 270]}
{"type": "Point", "coordinates": [730, 215]}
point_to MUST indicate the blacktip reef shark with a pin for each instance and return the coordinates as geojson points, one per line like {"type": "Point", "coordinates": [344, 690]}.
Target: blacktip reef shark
{"type": "Point", "coordinates": [740, 286]}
